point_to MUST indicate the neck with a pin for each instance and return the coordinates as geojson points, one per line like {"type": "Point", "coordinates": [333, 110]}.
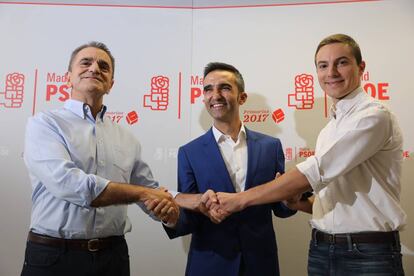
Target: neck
{"type": "Point", "coordinates": [336, 100]}
{"type": "Point", "coordinates": [231, 129]}
{"type": "Point", "coordinates": [94, 102]}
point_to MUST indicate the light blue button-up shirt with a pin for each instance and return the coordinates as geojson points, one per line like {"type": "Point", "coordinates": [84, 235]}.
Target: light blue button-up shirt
{"type": "Point", "coordinates": [71, 157]}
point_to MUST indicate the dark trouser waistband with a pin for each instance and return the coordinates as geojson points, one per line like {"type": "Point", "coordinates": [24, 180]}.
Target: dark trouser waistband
{"type": "Point", "coordinates": [361, 237]}
{"type": "Point", "coordinates": [91, 245]}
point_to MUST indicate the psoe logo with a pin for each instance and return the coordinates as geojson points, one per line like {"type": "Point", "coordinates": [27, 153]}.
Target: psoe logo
{"type": "Point", "coordinates": [158, 97]}
{"type": "Point", "coordinates": [12, 96]}
{"type": "Point", "coordinates": [303, 97]}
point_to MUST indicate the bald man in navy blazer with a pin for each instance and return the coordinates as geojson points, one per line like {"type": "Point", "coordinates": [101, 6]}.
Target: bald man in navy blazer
{"type": "Point", "coordinates": [229, 158]}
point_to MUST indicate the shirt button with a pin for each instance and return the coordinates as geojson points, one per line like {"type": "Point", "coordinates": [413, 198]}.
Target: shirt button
{"type": "Point", "coordinates": [102, 162]}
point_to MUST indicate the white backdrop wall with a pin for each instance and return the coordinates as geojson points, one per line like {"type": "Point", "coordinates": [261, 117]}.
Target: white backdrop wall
{"type": "Point", "coordinates": [271, 42]}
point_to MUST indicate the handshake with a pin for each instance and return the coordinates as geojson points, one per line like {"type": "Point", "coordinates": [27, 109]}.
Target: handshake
{"type": "Point", "coordinates": [161, 204]}
{"type": "Point", "coordinates": [216, 206]}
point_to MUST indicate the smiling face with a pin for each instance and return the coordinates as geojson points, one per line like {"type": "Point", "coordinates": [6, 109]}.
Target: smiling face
{"type": "Point", "coordinates": [222, 98]}
{"type": "Point", "coordinates": [91, 74]}
{"type": "Point", "coordinates": [338, 71]}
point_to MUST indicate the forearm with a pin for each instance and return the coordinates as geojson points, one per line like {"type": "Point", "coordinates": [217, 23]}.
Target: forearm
{"type": "Point", "coordinates": [121, 193]}
{"type": "Point", "coordinates": [188, 201]}
{"type": "Point", "coordinates": [282, 188]}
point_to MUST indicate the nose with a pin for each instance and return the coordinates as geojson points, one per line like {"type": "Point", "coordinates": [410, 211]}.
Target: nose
{"type": "Point", "coordinates": [332, 71]}
{"type": "Point", "coordinates": [94, 67]}
{"type": "Point", "coordinates": [216, 93]}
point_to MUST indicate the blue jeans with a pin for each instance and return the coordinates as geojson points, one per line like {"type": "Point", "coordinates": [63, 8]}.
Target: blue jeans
{"type": "Point", "coordinates": [354, 259]}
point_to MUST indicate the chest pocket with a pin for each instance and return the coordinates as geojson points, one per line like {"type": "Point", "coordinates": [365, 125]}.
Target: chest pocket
{"type": "Point", "coordinates": [124, 160]}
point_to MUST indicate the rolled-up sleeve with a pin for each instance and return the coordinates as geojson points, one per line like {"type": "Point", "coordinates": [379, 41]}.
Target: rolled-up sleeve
{"type": "Point", "coordinates": [355, 143]}
{"type": "Point", "coordinates": [49, 163]}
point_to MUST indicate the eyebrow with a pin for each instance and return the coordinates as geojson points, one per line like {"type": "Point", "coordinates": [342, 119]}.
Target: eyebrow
{"type": "Point", "coordinates": [100, 62]}
{"type": "Point", "coordinates": [86, 59]}
{"type": "Point", "coordinates": [325, 61]}
{"type": "Point", "coordinates": [207, 86]}
{"type": "Point", "coordinates": [220, 85]}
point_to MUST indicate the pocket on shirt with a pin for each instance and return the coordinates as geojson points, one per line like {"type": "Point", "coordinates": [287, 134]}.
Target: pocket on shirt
{"type": "Point", "coordinates": [123, 163]}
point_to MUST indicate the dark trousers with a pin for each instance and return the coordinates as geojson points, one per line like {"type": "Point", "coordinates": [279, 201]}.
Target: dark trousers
{"type": "Point", "coordinates": [43, 260]}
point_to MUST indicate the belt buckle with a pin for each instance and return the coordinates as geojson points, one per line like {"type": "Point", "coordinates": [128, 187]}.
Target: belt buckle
{"type": "Point", "coordinates": [93, 245]}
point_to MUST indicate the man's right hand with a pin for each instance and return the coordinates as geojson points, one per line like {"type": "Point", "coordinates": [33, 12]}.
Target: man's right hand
{"type": "Point", "coordinates": [213, 210]}
{"type": "Point", "coordinates": [155, 194]}
{"type": "Point", "coordinates": [162, 205]}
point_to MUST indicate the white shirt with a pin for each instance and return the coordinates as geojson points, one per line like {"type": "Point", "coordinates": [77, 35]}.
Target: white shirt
{"type": "Point", "coordinates": [355, 172]}
{"type": "Point", "coordinates": [234, 155]}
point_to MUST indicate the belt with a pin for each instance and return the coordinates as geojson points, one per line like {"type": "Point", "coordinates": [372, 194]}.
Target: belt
{"type": "Point", "coordinates": [91, 245]}
{"type": "Point", "coordinates": [362, 237]}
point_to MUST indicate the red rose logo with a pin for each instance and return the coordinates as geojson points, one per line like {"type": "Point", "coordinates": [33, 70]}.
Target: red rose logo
{"type": "Point", "coordinates": [160, 82]}
{"type": "Point", "coordinates": [304, 80]}
{"type": "Point", "coordinates": [14, 79]}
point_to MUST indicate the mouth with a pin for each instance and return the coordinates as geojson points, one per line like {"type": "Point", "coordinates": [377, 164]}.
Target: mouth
{"type": "Point", "coordinates": [92, 78]}
{"type": "Point", "coordinates": [333, 83]}
{"type": "Point", "coordinates": [217, 105]}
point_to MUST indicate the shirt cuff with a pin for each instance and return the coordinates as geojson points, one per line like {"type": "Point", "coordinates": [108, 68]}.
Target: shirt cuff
{"type": "Point", "coordinates": [310, 169]}
{"type": "Point", "coordinates": [173, 193]}
{"type": "Point", "coordinates": [100, 185]}
{"type": "Point", "coordinates": [169, 225]}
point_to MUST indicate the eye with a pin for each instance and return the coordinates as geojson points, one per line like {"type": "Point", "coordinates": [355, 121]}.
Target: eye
{"type": "Point", "coordinates": [343, 62]}
{"type": "Point", "coordinates": [85, 62]}
{"type": "Point", "coordinates": [207, 89]}
{"type": "Point", "coordinates": [322, 66]}
{"type": "Point", "coordinates": [104, 66]}
{"type": "Point", "coordinates": [226, 88]}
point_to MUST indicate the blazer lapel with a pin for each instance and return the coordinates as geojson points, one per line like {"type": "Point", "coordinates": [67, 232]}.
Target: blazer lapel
{"type": "Point", "coordinates": [217, 167]}
{"type": "Point", "coordinates": [253, 157]}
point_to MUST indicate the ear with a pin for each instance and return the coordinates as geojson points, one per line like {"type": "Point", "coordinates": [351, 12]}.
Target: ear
{"type": "Point", "coordinates": [242, 98]}
{"type": "Point", "coordinates": [69, 82]}
{"type": "Point", "coordinates": [361, 68]}
{"type": "Point", "coordinates": [110, 87]}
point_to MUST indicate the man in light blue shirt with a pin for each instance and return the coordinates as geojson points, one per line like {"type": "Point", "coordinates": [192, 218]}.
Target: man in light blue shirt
{"type": "Point", "coordinates": [80, 164]}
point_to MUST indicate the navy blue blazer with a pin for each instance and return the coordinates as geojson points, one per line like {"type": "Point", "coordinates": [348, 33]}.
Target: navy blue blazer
{"type": "Point", "coordinates": [247, 236]}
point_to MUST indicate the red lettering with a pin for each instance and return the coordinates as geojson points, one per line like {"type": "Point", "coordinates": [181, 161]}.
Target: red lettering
{"type": "Point", "coordinates": [195, 93]}
{"type": "Point", "coordinates": [370, 89]}
{"type": "Point", "coordinates": [378, 91]}
{"type": "Point", "coordinates": [50, 77]}
{"type": "Point", "coordinates": [64, 92]}
{"type": "Point", "coordinates": [51, 89]}
{"type": "Point", "coordinates": [195, 80]}
{"type": "Point", "coordinates": [382, 90]}
{"type": "Point", "coordinates": [306, 153]}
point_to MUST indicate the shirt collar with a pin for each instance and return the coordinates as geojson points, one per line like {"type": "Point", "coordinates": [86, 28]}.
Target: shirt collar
{"type": "Point", "coordinates": [82, 109]}
{"type": "Point", "coordinates": [345, 104]}
{"type": "Point", "coordinates": [220, 136]}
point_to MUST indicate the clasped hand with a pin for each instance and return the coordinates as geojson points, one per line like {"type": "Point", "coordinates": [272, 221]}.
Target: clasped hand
{"type": "Point", "coordinates": [162, 205]}
{"type": "Point", "coordinates": [218, 206]}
